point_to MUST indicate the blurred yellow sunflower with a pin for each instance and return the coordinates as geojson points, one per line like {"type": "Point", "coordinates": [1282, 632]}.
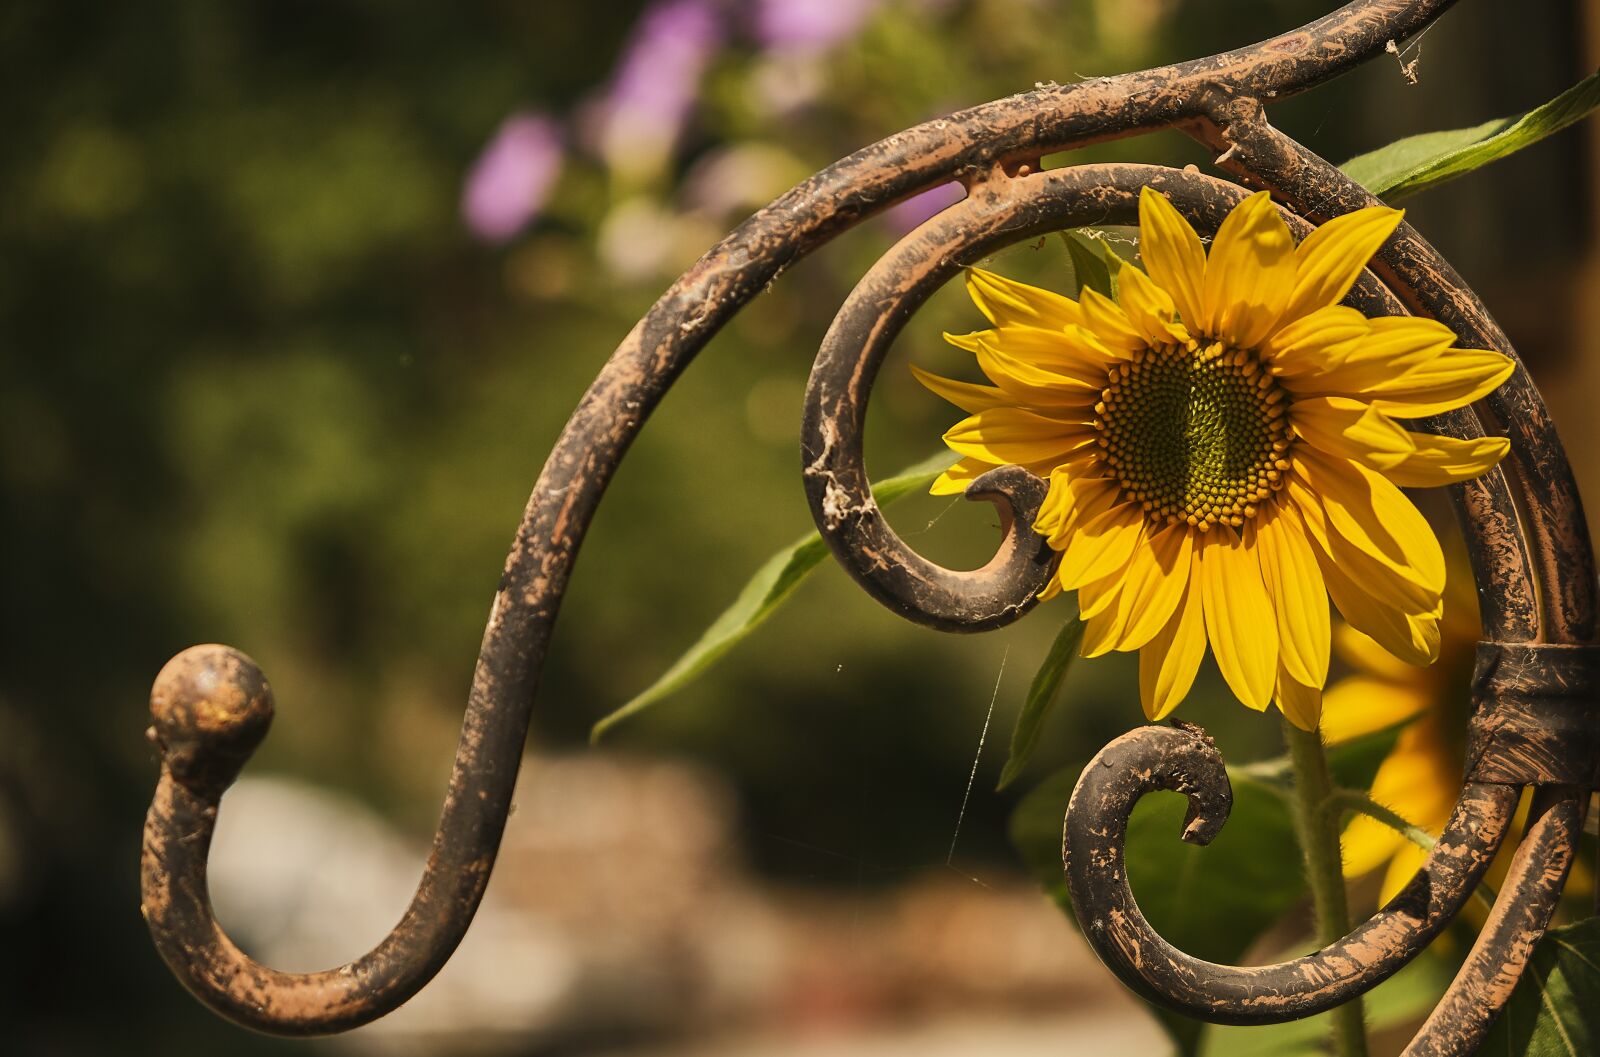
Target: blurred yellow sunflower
{"type": "Point", "coordinates": [1421, 776]}
{"type": "Point", "coordinates": [1220, 449]}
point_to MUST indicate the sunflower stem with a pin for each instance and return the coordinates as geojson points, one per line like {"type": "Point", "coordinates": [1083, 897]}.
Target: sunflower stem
{"type": "Point", "coordinates": [1318, 833]}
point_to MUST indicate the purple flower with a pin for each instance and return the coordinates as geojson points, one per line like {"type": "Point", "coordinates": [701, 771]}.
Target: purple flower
{"type": "Point", "coordinates": [508, 184]}
{"type": "Point", "coordinates": [906, 215]}
{"type": "Point", "coordinates": [654, 86]}
{"type": "Point", "coordinates": [809, 25]}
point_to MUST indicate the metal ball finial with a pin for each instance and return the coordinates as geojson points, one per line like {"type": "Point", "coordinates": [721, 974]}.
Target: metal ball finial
{"type": "Point", "coordinates": [210, 706]}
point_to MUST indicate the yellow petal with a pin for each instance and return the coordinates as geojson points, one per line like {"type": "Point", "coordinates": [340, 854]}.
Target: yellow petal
{"type": "Point", "coordinates": [1073, 497]}
{"type": "Point", "coordinates": [1315, 344]}
{"type": "Point", "coordinates": [1454, 378]}
{"type": "Point", "coordinates": [1087, 343]}
{"type": "Point", "coordinates": [1099, 631]}
{"type": "Point", "coordinates": [1301, 704]}
{"type": "Point", "coordinates": [1130, 612]}
{"type": "Point", "coordinates": [1406, 365]}
{"type": "Point", "coordinates": [1446, 460]}
{"type": "Point", "coordinates": [1161, 569]}
{"type": "Point", "coordinates": [1149, 308]}
{"type": "Point", "coordinates": [1391, 346]}
{"type": "Point", "coordinates": [1399, 343]}
{"type": "Point", "coordinates": [1372, 515]}
{"type": "Point", "coordinates": [1249, 275]}
{"type": "Point", "coordinates": [1238, 613]}
{"type": "Point", "coordinates": [1099, 596]}
{"type": "Point", "coordinates": [1004, 435]}
{"type": "Point", "coordinates": [1331, 257]}
{"type": "Point", "coordinates": [965, 395]}
{"type": "Point", "coordinates": [1071, 351]}
{"type": "Point", "coordinates": [1299, 598]}
{"type": "Point", "coordinates": [1369, 658]}
{"type": "Point", "coordinates": [1007, 302]}
{"type": "Point", "coordinates": [1109, 323]}
{"type": "Point", "coordinates": [954, 480]}
{"type": "Point", "coordinates": [1031, 383]}
{"type": "Point", "coordinates": [1103, 605]}
{"type": "Point", "coordinates": [1101, 545]}
{"type": "Point", "coordinates": [1359, 705]}
{"type": "Point", "coordinates": [1414, 638]}
{"type": "Point", "coordinates": [1402, 616]}
{"type": "Point", "coordinates": [1380, 580]}
{"type": "Point", "coordinates": [1432, 810]}
{"type": "Point", "coordinates": [1168, 663]}
{"type": "Point", "coordinates": [1173, 253]}
{"type": "Point", "coordinates": [1352, 430]}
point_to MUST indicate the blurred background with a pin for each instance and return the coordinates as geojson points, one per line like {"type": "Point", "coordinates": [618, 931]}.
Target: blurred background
{"type": "Point", "coordinates": [294, 298]}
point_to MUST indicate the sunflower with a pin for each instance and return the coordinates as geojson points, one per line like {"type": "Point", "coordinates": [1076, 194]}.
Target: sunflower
{"type": "Point", "coordinates": [1421, 776]}
{"type": "Point", "coordinates": [1222, 449]}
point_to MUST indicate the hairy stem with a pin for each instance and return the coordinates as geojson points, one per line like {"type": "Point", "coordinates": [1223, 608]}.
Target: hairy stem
{"type": "Point", "coordinates": [1341, 800]}
{"type": "Point", "coordinates": [1318, 833]}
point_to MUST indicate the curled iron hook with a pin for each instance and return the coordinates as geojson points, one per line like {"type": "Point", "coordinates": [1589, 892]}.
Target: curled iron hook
{"type": "Point", "coordinates": [1152, 758]}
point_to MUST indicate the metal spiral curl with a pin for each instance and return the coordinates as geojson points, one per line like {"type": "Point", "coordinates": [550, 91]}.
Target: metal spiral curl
{"type": "Point", "coordinates": [1525, 529]}
{"type": "Point", "coordinates": [1184, 761]}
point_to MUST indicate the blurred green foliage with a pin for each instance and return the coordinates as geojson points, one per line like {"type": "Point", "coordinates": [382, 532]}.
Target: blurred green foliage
{"type": "Point", "coordinates": [258, 385]}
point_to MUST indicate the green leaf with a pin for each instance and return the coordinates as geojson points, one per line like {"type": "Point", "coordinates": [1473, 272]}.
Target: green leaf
{"type": "Point", "coordinates": [1094, 264]}
{"type": "Point", "coordinates": [769, 588]}
{"type": "Point", "coordinates": [1041, 697]}
{"type": "Point", "coordinates": [1555, 1010]}
{"type": "Point", "coordinates": [1213, 902]}
{"type": "Point", "coordinates": [1420, 162]}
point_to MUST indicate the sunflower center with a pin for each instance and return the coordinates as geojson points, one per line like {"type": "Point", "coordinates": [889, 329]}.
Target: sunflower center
{"type": "Point", "coordinates": [1195, 436]}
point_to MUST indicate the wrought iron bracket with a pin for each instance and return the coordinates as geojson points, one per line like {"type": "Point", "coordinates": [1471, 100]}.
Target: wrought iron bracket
{"type": "Point", "coordinates": [1533, 718]}
{"type": "Point", "coordinates": [1536, 722]}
